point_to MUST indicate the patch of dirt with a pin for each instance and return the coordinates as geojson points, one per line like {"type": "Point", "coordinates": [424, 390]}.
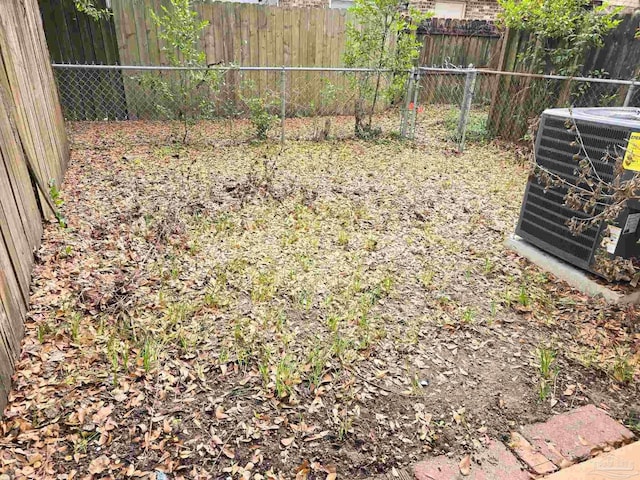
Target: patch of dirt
{"type": "Point", "coordinates": [230, 309]}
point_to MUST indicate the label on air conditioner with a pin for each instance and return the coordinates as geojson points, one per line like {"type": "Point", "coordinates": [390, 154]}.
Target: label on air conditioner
{"type": "Point", "coordinates": [631, 224]}
{"type": "Point", "coordinates": [610, 241]}
{"type": "Point", "coordinates": [631, 159]}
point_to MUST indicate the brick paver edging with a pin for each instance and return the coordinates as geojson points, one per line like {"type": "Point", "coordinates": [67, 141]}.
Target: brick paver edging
{"type": "Point", "coordinates": [535, 450]}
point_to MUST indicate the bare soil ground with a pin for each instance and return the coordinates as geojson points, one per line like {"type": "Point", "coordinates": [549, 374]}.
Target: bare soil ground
{"type": "Point", "coordinates": [238, 310]}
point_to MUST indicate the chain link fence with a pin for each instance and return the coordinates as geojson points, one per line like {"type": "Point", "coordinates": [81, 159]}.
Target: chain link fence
{"type": "Point", "coordinates": [464, 105]}
{"type": "Point", "coordinates": [513, 101]}
{"type": "Point", "coordinates": [285, 103]}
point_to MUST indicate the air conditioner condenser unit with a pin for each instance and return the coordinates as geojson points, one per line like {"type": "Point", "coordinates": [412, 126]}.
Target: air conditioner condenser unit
{"type": "Point", "coordinates": [564, 135]}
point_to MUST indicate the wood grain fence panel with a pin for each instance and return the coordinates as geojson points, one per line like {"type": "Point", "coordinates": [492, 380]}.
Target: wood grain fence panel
{"type": "Point", "coordinates": [297, 36]}
{"type": "Point", "coordinates": [253, 46]}
{"type": "Point", "coordinates": [233, 48]}
{"type": "Point", "coordinates": [118, 12]}
{"type": "Point", "coordinates": [74, 37]}
{"type": "Point", "coordinates": [262, 39]}
{"type": "Point", "coordinates": [142, 26]}
{"type": "Point", "coordinates": [33, 149]}
{"type": "Point", "coordinates": [19, 183]}
{"type": "Point", "coordinates": [7, 358]}
{"type": "Point", "coordinates": [234, 23]}
{"type": "Point", "coordinates": [325, 39]}
{"type": "Point", "coordinates": [214, 33]}
{"type": "Point", "coordinates": [17, 242]}
{"type": "Point", "coordinates": [286, 36]}
{"type": "Point", "coordinates": [273, 47]}
{"type": "Point", "coordinates": [303, 87]}
{"type": "Point", "coordinates": [153, 46]}
{"type": "Point", "coordinates": [15, 309]}
{"type": "Point", "coordinates": [35, 92]}
{"type": "Point", "coordinates": [20, 92]}
{"type": "Point", "coordinates": [49, 100]}
{"type": "Point", "coordinates": [131, 35]}
{"type": "Point", "coordinates": [279, 36]}
{"type": "Point", "coordinates": [55, 36]}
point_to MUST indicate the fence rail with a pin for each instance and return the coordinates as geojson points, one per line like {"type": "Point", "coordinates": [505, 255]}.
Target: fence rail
{"type": "Point", "coordinates": [502, 103]}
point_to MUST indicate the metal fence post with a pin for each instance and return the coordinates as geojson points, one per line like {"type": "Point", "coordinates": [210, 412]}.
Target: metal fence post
{"type": "Point", "coordinates": [404, 119]}
{"type": "Point", "coordinates": [469, 87]}
{"type": "Point", "coordinates": [416, 88]}
{"type": "Point", "coordinates": [629, 96]}
{"type": "Point", "coordinates": [283, 102]}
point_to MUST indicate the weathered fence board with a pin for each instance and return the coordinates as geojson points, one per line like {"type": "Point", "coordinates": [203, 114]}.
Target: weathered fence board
{"type": "Point", "coordinates": [516, 100]}
{"type": "Point", "coordinates": [33, 149]}
{"type": "Point", "coordinates": [620, 55]}
{"type": "Point", "coordinates": [252, 35]}
{"type": "Point", "coordinates": [460, 43]}
{"type": "Point", "coordinates": [74, 37]}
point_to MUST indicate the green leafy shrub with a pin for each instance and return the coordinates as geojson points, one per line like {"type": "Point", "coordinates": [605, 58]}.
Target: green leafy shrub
{"type": "Point", "coordinates": [183, 95]}
{"type": "Point", "coordinates": [260, 116]}
{"type": "Point", "coordinates": [561, 31]}
{"type": "Point", "coordinates": [381, 34]}
{"type": "Point", "coordinates": [88, 7]}
{"type": "Point", "coordinates": [477, 126]}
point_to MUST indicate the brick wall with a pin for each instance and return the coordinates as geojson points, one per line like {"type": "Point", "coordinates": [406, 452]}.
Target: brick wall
{"type": "Point", "coordinates": [629, 5]}
{"type": "Point", "coordinates": [482, 9]}
{"type": "Point", "coordinates": [304, 3]}
{"type": "Point", "coordinates": [475, 9]}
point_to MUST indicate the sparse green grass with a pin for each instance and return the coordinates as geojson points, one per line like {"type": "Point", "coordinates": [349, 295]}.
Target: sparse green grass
{"type": "Point", "coordinates": [547, 369]}
{"type": "Point", "coordinates": [316, 362]}
{"type": "Point", "coordinates": [477, 130]}
{"type": "Point", "coordinates": [622, 369]}
{"type": "Point", "coordinates": [338, 282]}
{"type": "Point", "coordinates": [371, 244]}
{"type": "Point", "coordinates": [343, 238]}
{"type": "Point", "coordinates": [74, 325]}
{"type": "Point", "coordinates": [426, 279]}
{"type": "Point", "coordinates": [263, 286]}
{"type": "Point", "coordinates": [344, 427]}
{"type": "Point", "coordinates": [286, 376]}
{"type": "Point", "coordinates": [43, 330]}
{"type": "Point", "coordinates": [468, 315]}
{"type": "Point", "coordinates": [149, 354]}
{"type": "Point", "coordinates": [524, 298]}
{"type": "Point", "coordinates": [489, 265]}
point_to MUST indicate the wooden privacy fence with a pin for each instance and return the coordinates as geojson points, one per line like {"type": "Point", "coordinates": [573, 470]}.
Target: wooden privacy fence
{"type": "Point", "coordinates": [245, 35]}
{"type": "Point", "coordinates": [74, 37]}
{"type": "Point", "coordinates": [33, 150]}
{"type": "Point", "coordinates": [237, 34]}
{"type": "Point", "coordinates": [516, 100]}
{"type": "Point", "coordinates": [460, 43]}
{"type": "Point", "coordinates": [268, 36]}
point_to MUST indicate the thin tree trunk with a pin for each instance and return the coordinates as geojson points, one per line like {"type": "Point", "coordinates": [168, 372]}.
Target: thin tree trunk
{"type": "Point", "coordinates": [375, 95]}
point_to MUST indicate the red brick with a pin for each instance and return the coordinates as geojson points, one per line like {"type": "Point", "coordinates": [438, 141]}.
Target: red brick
{"type": "Point", "coordinates": [572, 436]}
{"type": "Point", "coordinates": [437, 468]}
{"type": "Point", "coordinates": [537, 462]}
{"type": "Point", "coordinates": [620, 464]}
{"type": "Point", "coordinates": [496, 462]}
